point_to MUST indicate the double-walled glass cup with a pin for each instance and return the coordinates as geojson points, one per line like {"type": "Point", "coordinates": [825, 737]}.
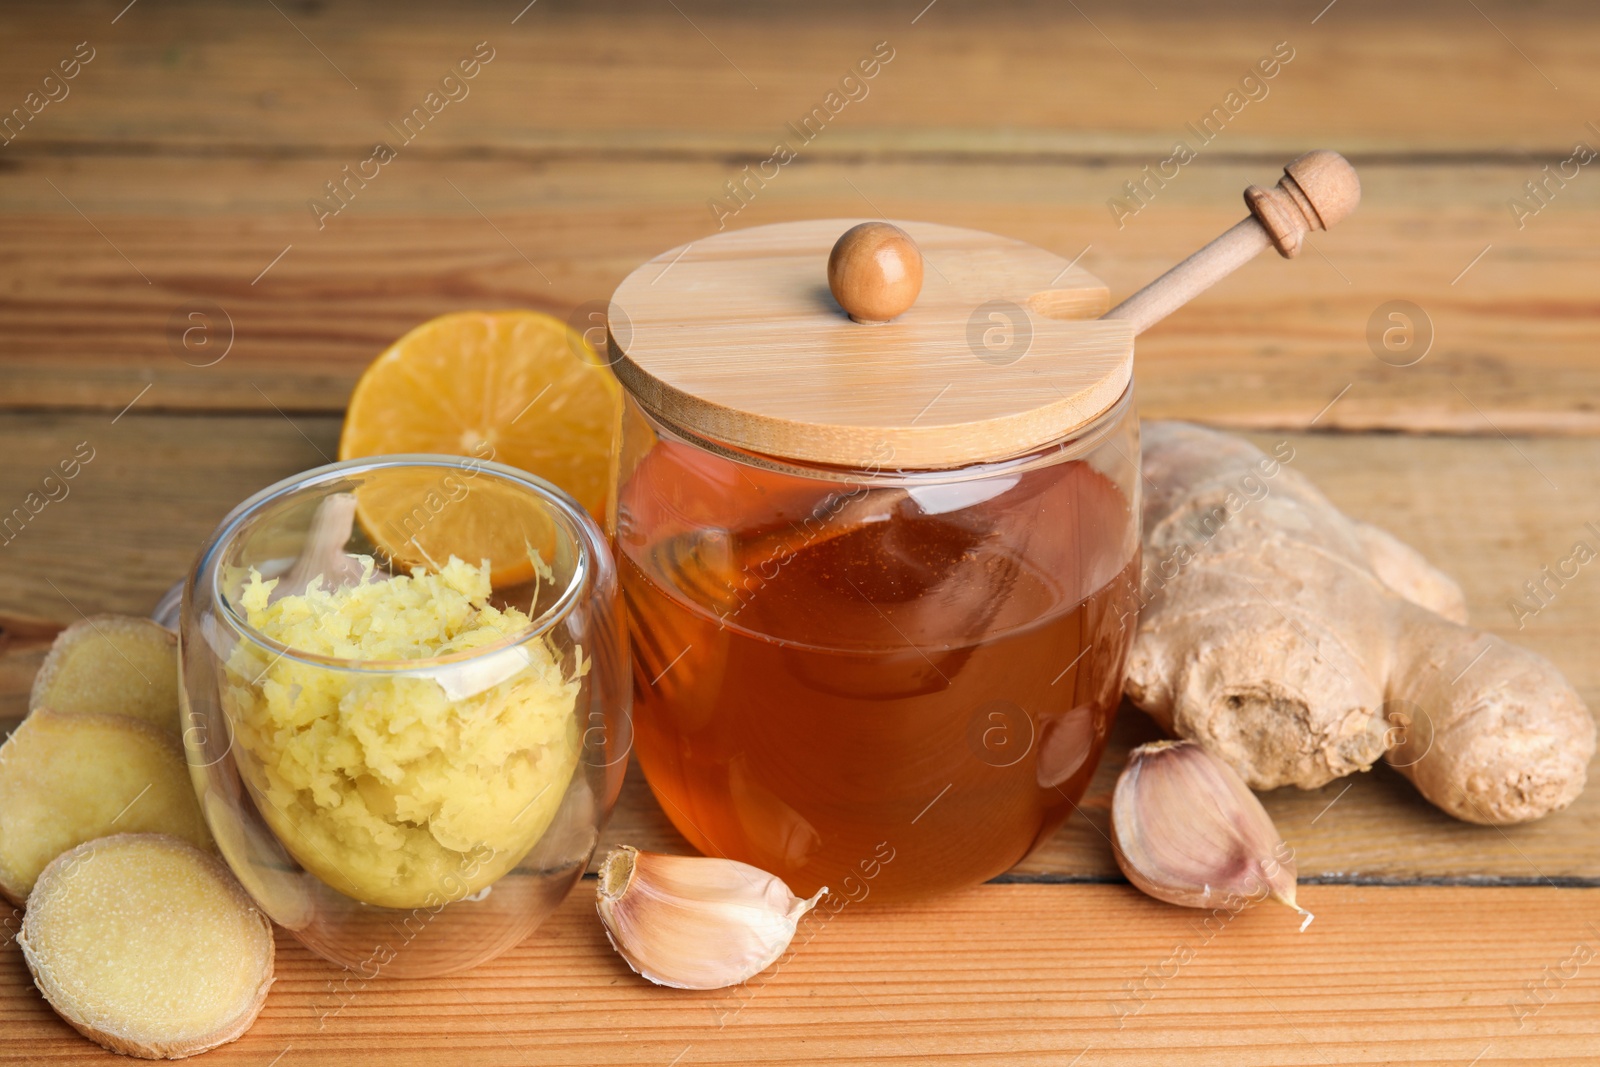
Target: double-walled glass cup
{"type": "Point", "coordinates": [410, 813]}
{"type": "Point", "coordinates": [889, 682]}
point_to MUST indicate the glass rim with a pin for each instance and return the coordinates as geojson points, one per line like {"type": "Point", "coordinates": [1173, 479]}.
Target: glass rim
{"type": "Point", "coordinates": [1074, 444]}
{"type": "Point", "coordinates": [570, 518]}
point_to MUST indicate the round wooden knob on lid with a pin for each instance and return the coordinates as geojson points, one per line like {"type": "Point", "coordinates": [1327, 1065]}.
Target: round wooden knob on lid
{"type": "Point", "coordinates": [875, 272]}
{"type": "Point", "coordinates": [737, 338]}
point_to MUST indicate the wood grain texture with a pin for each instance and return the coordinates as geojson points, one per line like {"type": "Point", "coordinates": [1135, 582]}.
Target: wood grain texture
{"type": "Point", "coordinates": [736, 337]}
{"type": "Point", "coordinates": [637, 78]}
{"type": "Point", "coordinates": [998, 974]}
{"type": "Point", "coordinates": [1514, 328]}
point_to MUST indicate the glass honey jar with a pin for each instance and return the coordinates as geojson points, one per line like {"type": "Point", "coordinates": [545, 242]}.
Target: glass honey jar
{"type": "Point", "coordinates": [881, 577]}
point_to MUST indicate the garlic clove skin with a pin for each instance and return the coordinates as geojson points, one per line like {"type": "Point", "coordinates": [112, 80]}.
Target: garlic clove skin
{"type": "Point", "coordinates": [322, 554]}
{"type": "Point", "coordinates": [696, 922]}
{"type": "Point", "coordinates": [1187, 830]}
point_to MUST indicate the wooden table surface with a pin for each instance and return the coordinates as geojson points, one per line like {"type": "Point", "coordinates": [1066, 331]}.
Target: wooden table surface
{"type": "Point", "coordinates": [174, 177]}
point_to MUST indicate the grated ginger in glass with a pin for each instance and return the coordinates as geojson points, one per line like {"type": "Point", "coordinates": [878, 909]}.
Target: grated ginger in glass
{"type": "Point", "coordinates": [377, 781]}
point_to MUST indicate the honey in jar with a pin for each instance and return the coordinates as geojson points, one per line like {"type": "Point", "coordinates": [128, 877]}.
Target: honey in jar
{"type": "Point", "coordinates": [880, 578]}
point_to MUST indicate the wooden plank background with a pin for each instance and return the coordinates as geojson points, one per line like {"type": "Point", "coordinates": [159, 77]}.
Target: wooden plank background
{"type": "Point", "coordinates": [176, 176]}
{"type": "Point", "coordinates": [596, 136]}
{"type": "Point", "coordinates": [1026, 974]}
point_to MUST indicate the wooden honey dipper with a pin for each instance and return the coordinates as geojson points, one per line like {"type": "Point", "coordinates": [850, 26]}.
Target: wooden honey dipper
{"type": "Point", "coordinates": [875, 271]}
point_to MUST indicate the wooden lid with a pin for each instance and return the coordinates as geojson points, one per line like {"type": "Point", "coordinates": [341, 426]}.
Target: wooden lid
{"type": "Point", "coordinates": [737, 338]}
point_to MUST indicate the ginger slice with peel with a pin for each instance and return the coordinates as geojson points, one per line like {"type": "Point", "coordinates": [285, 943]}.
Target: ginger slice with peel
{"type": "Point", "coordinates": [66, 779]}
{"type": "Point", "coordinates": [113, 665]}
{"type": "Point", "coordinates": [148, 946]}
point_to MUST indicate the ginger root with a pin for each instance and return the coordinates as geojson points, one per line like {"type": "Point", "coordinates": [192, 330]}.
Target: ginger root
{"type": "Point", "coordinates": [69, 778]}
{"type": "Point", "coordinates": [114, 665]}
{"type": "Point", "coordinates": [1299, 645]}
{"type": "Point", "coordinates": [147, 945]}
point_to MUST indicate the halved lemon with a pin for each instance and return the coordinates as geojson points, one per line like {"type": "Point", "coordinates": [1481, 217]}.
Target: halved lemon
{"type": "Point", "coordinates": [516, 387]}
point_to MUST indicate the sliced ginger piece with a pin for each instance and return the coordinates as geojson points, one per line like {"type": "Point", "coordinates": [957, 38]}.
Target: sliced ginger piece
{"type": "Point", "coordinates": [66, 779]}
{"type": "Point", "coordinates": [112, 665]}
{"type": "Point", "coordinates": [147, 946]}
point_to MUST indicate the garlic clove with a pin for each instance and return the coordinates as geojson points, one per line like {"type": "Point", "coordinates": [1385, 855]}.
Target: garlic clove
{"type": "Point", "coordinates": [696, 922]}
{"type": "Point", "coordinates": [322, 554]}
{"type": "Point", "coordinates": [1187, 830]}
